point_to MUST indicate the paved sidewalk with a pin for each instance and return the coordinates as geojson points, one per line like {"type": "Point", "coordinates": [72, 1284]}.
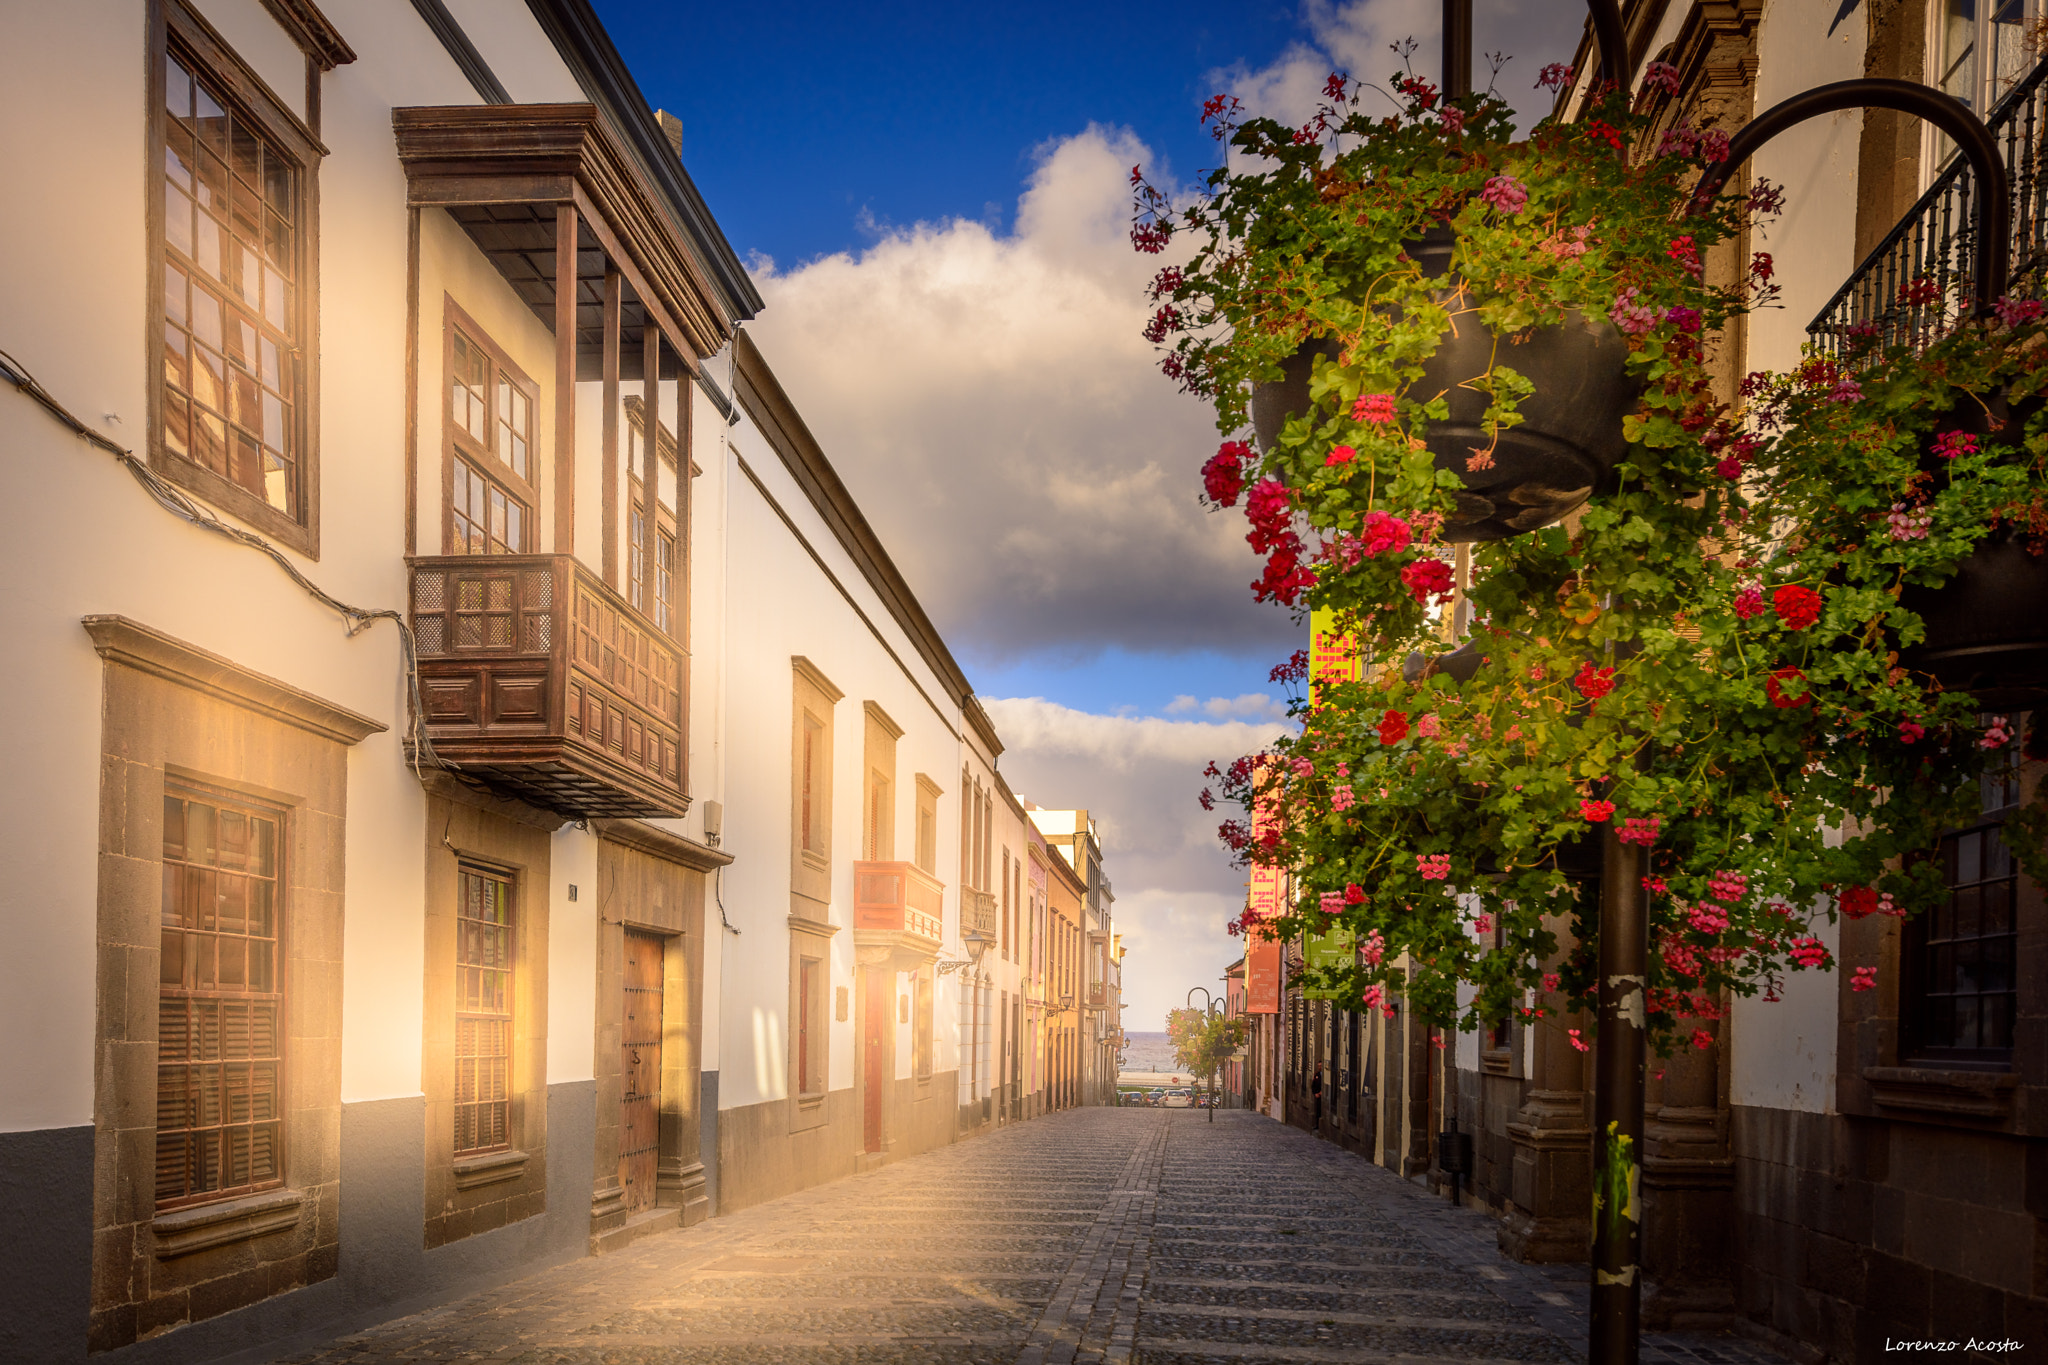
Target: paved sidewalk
{"type": "Point", "coordinates": [1121, 1236]}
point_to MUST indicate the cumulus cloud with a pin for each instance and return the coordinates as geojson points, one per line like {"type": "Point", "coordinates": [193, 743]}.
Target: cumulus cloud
{"type": "Point", "coordinates": [990, 402]}
{"type": "Point", "coordinates": [1139, 776]}
{"type": "Point", "coordinates": [1249, 706]}
{"type": "Point", "coordinates": [1360, 38]}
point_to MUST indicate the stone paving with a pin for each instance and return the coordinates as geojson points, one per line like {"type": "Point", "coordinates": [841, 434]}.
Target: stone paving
{"type": "Point", "coordinates": [1121, 1236]}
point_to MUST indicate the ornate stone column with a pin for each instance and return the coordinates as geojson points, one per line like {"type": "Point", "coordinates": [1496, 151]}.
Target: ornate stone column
{"type": "Point", "coordinates": [1549, 1211]}
{"type": "Point", "coordinates": [1688, 1191]}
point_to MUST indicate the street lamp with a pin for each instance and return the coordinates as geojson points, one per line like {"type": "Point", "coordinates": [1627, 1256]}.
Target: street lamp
{"type": "Point", "coordinates": [1211, 1012]}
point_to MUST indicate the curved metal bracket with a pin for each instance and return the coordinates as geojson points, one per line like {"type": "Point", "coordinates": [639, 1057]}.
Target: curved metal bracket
{"type": "Point", "coordinates": [1994, 193]}
{"type": "Point", "coordinates": [1612, 40]}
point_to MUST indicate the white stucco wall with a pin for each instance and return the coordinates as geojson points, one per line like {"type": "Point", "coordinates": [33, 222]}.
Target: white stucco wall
{"type": "Point", "coordinates": [778, 603]}
{"type": "Point", "coordinates": [1812, 243]}
{"type": "Point", "coordinates": [84, 539]}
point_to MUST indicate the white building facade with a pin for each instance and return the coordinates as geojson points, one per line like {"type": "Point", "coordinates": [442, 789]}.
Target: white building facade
{"type": "Point", "coordinates": [482, 792]}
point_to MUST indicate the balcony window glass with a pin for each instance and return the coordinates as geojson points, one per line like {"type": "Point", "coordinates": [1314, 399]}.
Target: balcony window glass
{"type": "Point", "coordinates": [489, 423]}
{"type": "Point", "coordinates": [1979, 52]}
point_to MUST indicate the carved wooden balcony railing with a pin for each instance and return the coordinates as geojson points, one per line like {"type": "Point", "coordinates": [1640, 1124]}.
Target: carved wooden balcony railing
{"type": "Point", "coordinates": [901, 897]}
{"type": "Point", "coordinates": [540, 680]}
{"type": "Point", "coordinates": [978, 913]}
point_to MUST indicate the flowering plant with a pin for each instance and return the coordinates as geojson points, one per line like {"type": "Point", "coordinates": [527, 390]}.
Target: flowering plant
{"type": "Point", "coordinates": [1657, 661]}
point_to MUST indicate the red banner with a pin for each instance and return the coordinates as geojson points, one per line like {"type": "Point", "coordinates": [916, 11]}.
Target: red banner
{"type": "Point", "coordinates": [1262, 954]}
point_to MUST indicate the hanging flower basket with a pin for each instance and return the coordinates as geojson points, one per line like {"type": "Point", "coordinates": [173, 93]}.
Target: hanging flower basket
{"type": "Point", "coordinates": [1424, 318]}
{"type": "Point", "coordinates": [1704, 660]}
{"type": "Point", "coordinates": [1987, 627]}
{"type": "Point", "coordinates": [1920, 472]}
{"type": "Point", "coordinates": [1563, 451]}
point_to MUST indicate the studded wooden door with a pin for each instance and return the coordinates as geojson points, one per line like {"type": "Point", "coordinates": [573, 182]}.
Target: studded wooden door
{"type": "Point", "coordinates": [640, 1069]}
{"type": "Point", "coordinates": [878, 1059]}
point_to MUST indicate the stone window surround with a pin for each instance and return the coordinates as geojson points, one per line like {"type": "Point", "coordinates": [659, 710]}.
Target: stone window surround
{"type": "Point", "coordinates": [510, 837]}
{"type": "Point", "coordinates": [809, 938]}
{"type": "Point", "coordinates": [814, 700]}
{"type": "Point", "coordinates": [173, 708]}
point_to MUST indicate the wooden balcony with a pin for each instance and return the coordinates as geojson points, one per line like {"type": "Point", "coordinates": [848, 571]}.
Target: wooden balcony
{"type": "Point", "coordinates": [899, 897]}
{"type": "Point", "coordinates": [978, 913]}
{"type": "Point", "coordinates": [538, 679]}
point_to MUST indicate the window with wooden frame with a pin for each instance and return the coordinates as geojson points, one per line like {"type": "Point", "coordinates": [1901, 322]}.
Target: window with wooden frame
{"type": "Point", "coordinates": [1961, 995]}
{"type": "Point", "coordinates": [489, 463]}
{"type": "Point", "coordinates": [879, 812]}
{"type": "Point", "coordinates": [662, 610]}
{"type": "Point", "coordinates": [927, 850]}
{"type": "Point", "coordinates": [232, 238]}
{"type": "Point", "coordinates": [921, 1028]}
{"type": "Point", "coordinates": [220, 1010]}
{"type": "Point", "coordinates": [811, 1029]}
{"type": "Point", "coordinates": [813, 702]}
{"type": "Point", "coordinates": [483, 1010]}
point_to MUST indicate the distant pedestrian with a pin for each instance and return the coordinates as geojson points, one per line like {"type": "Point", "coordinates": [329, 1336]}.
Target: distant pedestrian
{"type": "Point", "coordinates": [1315, 1091]}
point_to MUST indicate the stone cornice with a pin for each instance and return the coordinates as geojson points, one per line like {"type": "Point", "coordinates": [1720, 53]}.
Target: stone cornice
{"type": "Point", "coordinates": [120, 640]}
{"type": "Point", "coordinates": [652, 839]}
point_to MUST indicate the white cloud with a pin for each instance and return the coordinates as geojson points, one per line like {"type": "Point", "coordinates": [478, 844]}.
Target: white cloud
{"type": "Point", "coordinates": [1358, 38]}
{"type": "Point", "coordinates": [990, 402]}
{"type": "Point", "coordinates": [1139, 777]}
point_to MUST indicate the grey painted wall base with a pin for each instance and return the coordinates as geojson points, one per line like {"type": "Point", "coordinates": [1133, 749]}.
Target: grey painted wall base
{"type": "Point", "coordinates": [385, 1272]}
{"type": "Point", "coordinates": [45, 1244]}
{"type": "Point", "coordinates": [707, 1137]}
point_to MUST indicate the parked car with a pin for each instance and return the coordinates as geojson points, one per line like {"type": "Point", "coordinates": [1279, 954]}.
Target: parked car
{"type": "Point", "coordinates": [1182, 1098]}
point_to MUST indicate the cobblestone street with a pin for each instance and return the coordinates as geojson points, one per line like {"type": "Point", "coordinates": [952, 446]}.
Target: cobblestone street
{"type": "Point", "coordinates": [1096, 1235]}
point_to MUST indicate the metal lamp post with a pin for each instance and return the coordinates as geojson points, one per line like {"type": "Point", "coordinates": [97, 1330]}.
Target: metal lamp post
{"type": "Point", "coordinates": [1211, 1011]}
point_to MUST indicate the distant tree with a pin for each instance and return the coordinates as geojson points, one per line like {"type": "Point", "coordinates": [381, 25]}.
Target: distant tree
{"type": "Point", "coordinates": [1202, 1042]}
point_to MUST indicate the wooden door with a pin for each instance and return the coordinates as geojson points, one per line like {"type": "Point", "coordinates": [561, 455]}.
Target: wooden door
{"type": "Point", "coordinates": [640, 1068]}
{"type": "Point", "coordinates": [877, 1060]}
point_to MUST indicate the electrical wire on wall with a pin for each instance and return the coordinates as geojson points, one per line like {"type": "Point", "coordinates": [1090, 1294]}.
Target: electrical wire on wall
{"type": "Point", "coordinates": [730, 419]}
{"type": "Point", "coordinates": [174, 500]}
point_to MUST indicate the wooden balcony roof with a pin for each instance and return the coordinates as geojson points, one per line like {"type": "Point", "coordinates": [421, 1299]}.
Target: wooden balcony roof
{"type": "Point", "coordinates": [502, 170]}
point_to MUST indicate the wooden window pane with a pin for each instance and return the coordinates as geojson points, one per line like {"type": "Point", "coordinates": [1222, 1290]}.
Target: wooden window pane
{"type": "Point", "coordinates": [229, 201]}
{"type": "Point", "coordinates": [219, 1064]}
{"type": "Point", "coordinates": [483, 1019]}
{"type": "Point", "coordinates": [177, 89]}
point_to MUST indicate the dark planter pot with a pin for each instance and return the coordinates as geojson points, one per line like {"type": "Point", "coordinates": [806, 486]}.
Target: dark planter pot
{"type": "Point", "coordinates": [1987, 627]}
{"type": "Point", "coordinates": [1563, 452]}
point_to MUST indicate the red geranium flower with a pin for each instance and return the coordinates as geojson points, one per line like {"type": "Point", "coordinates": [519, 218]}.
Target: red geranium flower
{"type": "Point", "coordinates": [1775, 685]}
{"type": "Point", "coordinates": [1596, 811]}
{"type": "Point", "coordinates": [1393, 727]}
{"type": "Point", "coordinates": [1427, 578]}
{"type": "Point", "coordinates": [1594, 683]}
{"type": "Point", "coordinates": [1223, 476]}
{"type": "Point", "coordinates": [1798, 607]}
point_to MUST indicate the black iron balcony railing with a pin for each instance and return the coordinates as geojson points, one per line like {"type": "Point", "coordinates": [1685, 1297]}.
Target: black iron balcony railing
{"type": "Point", "coordinates": [1919, 278]}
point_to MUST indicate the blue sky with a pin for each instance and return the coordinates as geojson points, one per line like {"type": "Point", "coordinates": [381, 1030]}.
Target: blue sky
{"type": "Point", "coordinates": [851, 114]}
